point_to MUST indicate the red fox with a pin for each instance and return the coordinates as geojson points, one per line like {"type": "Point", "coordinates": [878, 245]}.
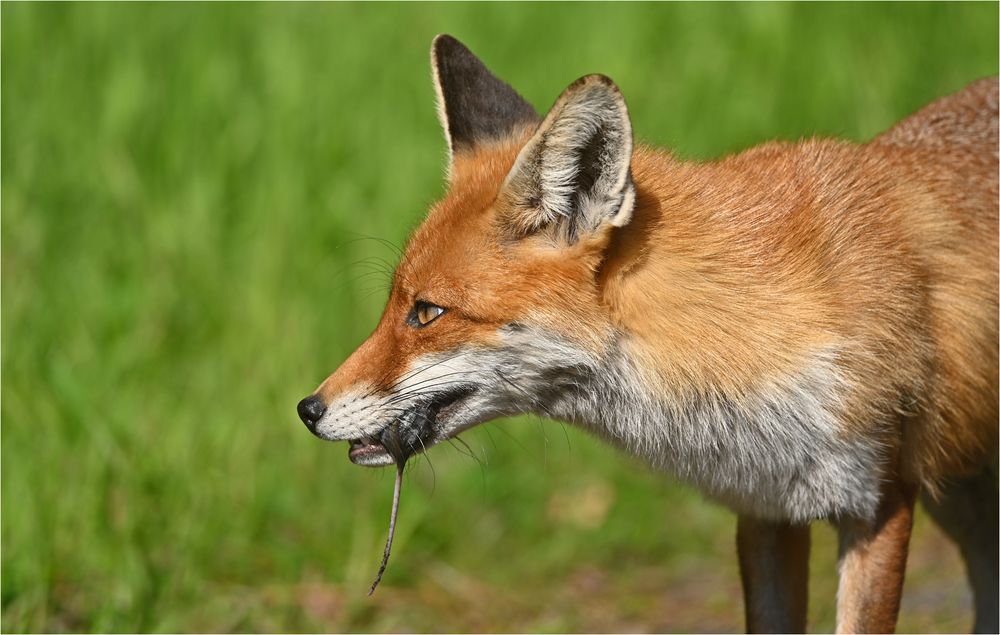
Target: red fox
{"type": "Point", "coordinates": [801, 331]}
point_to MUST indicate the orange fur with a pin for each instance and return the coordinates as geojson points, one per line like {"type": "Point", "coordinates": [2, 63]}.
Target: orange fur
{"type": "Point", "coordinates": [873, 564]}
{"type": "Point", "coordinates": [733, 277]}
{"type": "Point", "coordinates": [459, 259]}
{"type": "Point", "coordinates": [737, 268]}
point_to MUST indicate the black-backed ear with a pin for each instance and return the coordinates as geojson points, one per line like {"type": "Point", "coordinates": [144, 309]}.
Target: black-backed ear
{"type": "Point", "coordinates": [574, 174]}
{"type": "Point", "coordinates": [473, 105]}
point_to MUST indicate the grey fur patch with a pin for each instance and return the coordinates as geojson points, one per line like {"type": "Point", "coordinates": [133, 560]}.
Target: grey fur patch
{"type": "Point", "coordinates": [780, 453]}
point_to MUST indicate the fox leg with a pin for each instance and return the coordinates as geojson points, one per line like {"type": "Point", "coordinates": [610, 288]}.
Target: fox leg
{"type": "Point", "coordinates": [873, 563]}
{"type": "Point", "coordinates": [774, 568]}
{"type": "Point", "coordinates": [966, 509]}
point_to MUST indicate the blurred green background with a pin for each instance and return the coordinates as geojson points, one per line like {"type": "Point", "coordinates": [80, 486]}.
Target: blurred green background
{"type": "Point", "coordinates": [186, 195]}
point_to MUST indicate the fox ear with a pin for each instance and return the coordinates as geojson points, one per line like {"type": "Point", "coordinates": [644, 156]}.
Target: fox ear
{"type": "Point", "coordinates": [573, 175]}
{"type": "Point", "coordinates": [473, 105]}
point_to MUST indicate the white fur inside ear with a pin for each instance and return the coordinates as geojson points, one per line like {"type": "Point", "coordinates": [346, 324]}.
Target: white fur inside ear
{"type": "Point", "coordinates": [574, 173]}
{"type": "Point", "coordinates": [624, 214]}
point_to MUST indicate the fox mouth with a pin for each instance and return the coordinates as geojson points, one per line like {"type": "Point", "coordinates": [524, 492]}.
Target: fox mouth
{"type": "Point", "coordinates": [369, 452]}
{"type": "Point", "coordinates": [412, 431]}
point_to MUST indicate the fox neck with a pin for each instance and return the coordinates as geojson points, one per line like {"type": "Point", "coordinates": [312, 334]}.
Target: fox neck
{"type": "Point", "coordinates": [777, 451]}
{"type": "Point", "coordinates": [704, 290]}
{"type": "Point", "coordinates": [721, 373]}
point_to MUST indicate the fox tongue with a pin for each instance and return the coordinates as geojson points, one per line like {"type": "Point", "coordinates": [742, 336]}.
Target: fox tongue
{"type": "Point", "coordinates": [368, 452]}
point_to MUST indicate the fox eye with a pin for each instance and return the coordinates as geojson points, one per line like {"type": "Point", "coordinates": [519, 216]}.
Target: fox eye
{"type": "Point", "coordinates": [423, 313]}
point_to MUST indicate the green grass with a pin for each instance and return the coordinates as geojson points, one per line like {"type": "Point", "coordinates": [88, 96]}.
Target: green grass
{"type": "Point", "coordinates": [184, 188]}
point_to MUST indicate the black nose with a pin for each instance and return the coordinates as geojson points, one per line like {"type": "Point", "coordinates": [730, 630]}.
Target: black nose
{"type": "Point", "coordinates": [310, 410]}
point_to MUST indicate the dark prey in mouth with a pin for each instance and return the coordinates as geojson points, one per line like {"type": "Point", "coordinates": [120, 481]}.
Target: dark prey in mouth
{"type": "Point", "coordinates": [400, 444]}
{"type": "Point", "coordinates": [401, 439]}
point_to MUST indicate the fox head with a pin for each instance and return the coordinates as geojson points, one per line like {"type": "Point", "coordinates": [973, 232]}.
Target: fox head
{"type": "Point", "coordinates": [495, 307]}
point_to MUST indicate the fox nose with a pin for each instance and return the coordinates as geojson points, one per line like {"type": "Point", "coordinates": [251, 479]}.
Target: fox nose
{"type": "Point", "coordinates": [310, 410]}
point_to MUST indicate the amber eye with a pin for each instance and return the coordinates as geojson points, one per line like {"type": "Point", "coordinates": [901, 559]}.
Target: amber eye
{"type": "Point", "coordinates": [423, 313]}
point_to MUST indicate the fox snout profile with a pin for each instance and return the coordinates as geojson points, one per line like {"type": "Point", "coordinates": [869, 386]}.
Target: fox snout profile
{"type": "Point", "coordinates": [801, 331]}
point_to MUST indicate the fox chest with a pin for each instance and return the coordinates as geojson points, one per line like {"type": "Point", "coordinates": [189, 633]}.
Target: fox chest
{"type": "Point", "coordinates": [783, 456]}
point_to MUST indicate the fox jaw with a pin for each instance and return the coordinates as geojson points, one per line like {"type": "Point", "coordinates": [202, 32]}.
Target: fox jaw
{"type": "Point", "coordinates": [497, 308]}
